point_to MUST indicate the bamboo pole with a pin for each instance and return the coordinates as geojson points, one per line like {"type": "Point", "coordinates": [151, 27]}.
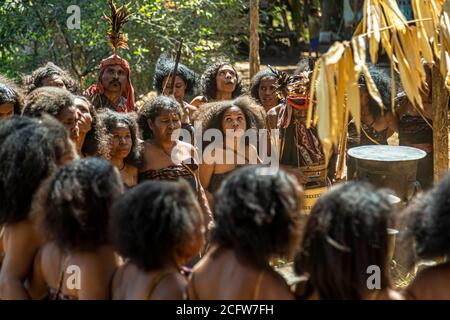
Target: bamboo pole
{"type": "Point", "coordinates": [254, 37]}
{"type": "Point", "coordinates": [440, 125]}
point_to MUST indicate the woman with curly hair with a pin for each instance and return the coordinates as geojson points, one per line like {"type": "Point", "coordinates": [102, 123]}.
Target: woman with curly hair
{"type": "Point", "coordinates": [11, 100]}
{"type": "Point", "coordinates": [50, 75]}
{"type": "Point", "coordinates": [219, 82]}
{"type": "Point", "coordinates": [263, 89]}
{"type": "Point", "coordinates": [56, 102]}
{"type": "Point", "coordinates": [232, 119]}
{"type": "Point", "coordinates": [75, 208]}
{"type": "Point", "coordinates": [125, 146]}
{"type": "Point", "coordinates": [431, 221]}
{"type": "Point", "coordinates": [92, 140]}
{"type": "Point", "coordinates": [158, 227]}
{"type": "Point", "coordinates": [30, 151]}
{"type": "Point", "coordinates": [257, 219]}
{"type": "Point", "coordinates": [165, 157]}
{"type": "Point", "coordinates": [346, 233]}
{"type": "Point", "coordinates": [183, 86]}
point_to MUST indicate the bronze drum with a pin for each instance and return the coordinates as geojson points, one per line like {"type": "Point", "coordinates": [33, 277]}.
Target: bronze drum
{"type": "Point", "coordinates": [392, 167]}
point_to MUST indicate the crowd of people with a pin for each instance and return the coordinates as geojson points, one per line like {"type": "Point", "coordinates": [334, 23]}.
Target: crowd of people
{"type": "Point", "coordinates": [102, 199]}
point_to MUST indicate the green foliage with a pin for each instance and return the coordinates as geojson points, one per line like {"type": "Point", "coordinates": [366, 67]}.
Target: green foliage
{"type": "Point", "coordinates": [33, 32]}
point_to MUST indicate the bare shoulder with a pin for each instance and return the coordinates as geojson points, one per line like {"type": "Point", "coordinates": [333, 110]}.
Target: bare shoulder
{"type": "Point", "coordinates": [103, 259]}
{"type": "Point", "coordinates": [173, 286]}
{"type": "Point", "coordinates": [425, 279]}
{"type": "Point", "coordinates": [50, 252]}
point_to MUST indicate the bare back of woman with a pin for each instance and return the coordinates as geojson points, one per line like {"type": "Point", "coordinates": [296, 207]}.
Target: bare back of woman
{"type": "Point", "coordinates": [59, 275]}
{"type": "Point", "coordinates": [221, 276]}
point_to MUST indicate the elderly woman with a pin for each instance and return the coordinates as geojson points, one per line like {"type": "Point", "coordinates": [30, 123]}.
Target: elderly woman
{"type": "Point", "coordinates": [125, 146]}
{"type": "Point", "coordinates": [219, 82]}
{"type": "Point", "coordinates": [158, 228]}
{"type": "Point", "coordinates": [165, 157]}
{"type": "Point", "coordinates": [11, 100]}
{"type": "Point", "coordinates": [346, 233]}
{"type": "Point", "coordinates": [30, 151]}
{"type": "Point", "coordinates": [184, 84]}
{"type": "Point", "coordinates": [257, 219]}
{"type": "Point", "coordinates": [75, 207]}
{"type": "Point", "coordinates": [263, 89]}
{"type": "Point", "coordinates": [232, 119]}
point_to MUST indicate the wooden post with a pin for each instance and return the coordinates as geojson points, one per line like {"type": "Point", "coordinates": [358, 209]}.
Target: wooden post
{"type": "Point", "coordinates": [440, 125]}
{"type": "Point", "coordinates": [254, 37]}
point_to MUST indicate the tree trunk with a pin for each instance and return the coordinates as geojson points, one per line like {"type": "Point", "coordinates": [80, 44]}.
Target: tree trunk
{"type": "Point", "coordinates": [254, 37]}
{"type": "Point", "coordinates": [440, 125]}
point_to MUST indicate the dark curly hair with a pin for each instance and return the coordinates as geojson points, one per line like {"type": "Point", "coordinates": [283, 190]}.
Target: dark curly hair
{"type": "Point", "coordinates": [77, 202]}
{"type": "Point", "coordinates": [258, 215]}
{"type": "Point", "coordinates": [211, 114]}
{"type": "Point", "coordinates": [256, 82]}
{"type": "Point", "coordinates": [110, 120]}
{"type": "Point", "coordinates": [164, 67]}
{"type": "Point", "coordinates": [152, 109]}
{"type": "Point", "coordinates": [35, 80]}
{"type": "Point", "coordinates": [10, 93]}
{"type": "Point", "coordinates": [96, 140]}
{"type": "Point", "coordinates": [383, 82]}
{"type": "Point", "coordinates": [153, 220]}
{"type": "Point", "coordinates": [208, 81]}
{"type": "Point", "coordinates": [29, 152]}
{"type": "Point", "coordinates": [50, 100]}
{"type": "Point", "coordinates": [345, 234]}
{"type": "Point", "coordinates": [431, 221]}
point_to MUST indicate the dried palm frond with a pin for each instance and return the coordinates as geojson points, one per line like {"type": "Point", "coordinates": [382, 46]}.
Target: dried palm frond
{"type": "Point", "coordinates": [336, 74]}
{"type": "Point", "coordinates": [118, 17]}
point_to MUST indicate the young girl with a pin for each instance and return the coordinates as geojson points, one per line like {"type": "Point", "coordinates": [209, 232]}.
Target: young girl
{"type": "Point", "coordinates": [125, 146]}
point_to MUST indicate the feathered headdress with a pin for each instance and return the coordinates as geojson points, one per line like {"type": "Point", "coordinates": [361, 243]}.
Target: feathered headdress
{"type": "Point", "coordinates": [118, 17]}
{"type": "Point", "coordinates": [294, 88]}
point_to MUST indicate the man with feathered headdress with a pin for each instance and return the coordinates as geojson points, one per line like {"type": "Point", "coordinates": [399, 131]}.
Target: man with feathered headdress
{"type": "Point", "coordinates": [113, 89]}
